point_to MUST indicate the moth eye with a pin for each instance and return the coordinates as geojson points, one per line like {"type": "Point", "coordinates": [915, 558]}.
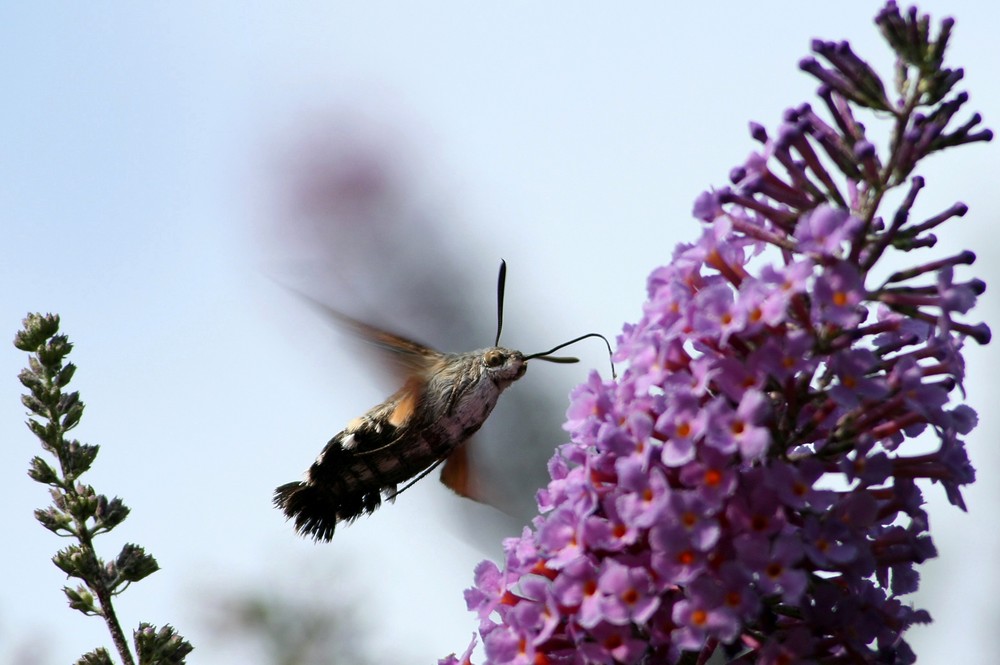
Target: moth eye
{"type": "Point", "coordinates": [493, 358]}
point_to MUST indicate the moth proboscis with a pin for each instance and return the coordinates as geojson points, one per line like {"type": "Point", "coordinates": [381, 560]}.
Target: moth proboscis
{"type": "Point", "coordinates": [445, 399]}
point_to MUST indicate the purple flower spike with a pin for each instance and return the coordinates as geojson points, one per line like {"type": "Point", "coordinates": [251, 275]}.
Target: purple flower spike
{"type": "Point", "coordinates": [750, 483]}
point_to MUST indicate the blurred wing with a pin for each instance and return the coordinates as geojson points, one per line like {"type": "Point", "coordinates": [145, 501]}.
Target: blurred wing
{"type": "Point", "coordinates": [416, 357]}
{"type": "Point", "coordinates": [457, 474]}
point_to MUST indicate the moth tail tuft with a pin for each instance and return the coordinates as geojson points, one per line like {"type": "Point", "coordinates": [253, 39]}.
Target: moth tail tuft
{"type": "Point", "coordinates": [317, 509]}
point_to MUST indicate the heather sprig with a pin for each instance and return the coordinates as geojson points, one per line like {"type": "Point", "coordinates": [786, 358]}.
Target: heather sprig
{"type": "Point", "coordinates": [77, 510]}
{"type": "Point", "coordinates": [750, 483]}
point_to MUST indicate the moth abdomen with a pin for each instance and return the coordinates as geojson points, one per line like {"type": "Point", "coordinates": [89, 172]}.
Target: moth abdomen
{"type": "Point", "coordinates": [341, 485]}
{"type": "Point", "coordinates": [317, 509]}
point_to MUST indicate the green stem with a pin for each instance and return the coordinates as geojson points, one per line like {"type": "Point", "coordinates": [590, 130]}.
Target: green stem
{"type": "Point", "coordinates": [97, 585]}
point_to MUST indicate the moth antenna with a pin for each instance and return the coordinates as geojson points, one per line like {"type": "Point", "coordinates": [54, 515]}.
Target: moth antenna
{"type": "Point", "coordinates": [561, 360]}
{"type": "Point", "coordinates": [501, 283]}
{"type": "Point", "coordinates": [557, 359]}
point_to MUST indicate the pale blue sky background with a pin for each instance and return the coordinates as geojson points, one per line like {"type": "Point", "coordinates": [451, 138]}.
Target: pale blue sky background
{"type": "Point", "coordinates": [141, 153]}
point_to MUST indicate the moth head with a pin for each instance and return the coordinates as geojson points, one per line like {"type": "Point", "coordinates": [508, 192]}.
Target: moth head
{"type": "Point", "coordinates": [502, 365]}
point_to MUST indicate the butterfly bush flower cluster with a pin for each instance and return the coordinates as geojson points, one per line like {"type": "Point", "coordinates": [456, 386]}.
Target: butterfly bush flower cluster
{"type": "Point", "coordinates": [752, 483]}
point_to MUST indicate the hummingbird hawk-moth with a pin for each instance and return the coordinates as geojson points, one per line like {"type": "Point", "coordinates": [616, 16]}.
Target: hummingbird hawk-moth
{"type": "Point", "coordinates": [445, 399]}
